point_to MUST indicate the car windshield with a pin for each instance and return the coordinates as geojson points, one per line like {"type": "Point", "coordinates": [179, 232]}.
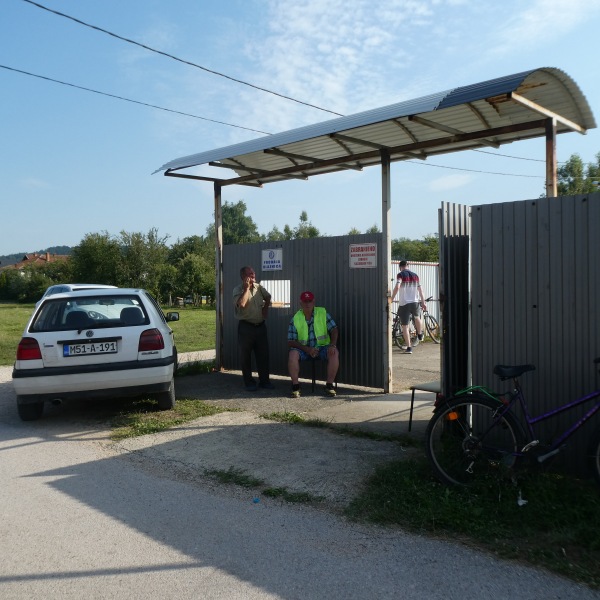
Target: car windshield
{"type": "Point", "coordinates": [89, 311]}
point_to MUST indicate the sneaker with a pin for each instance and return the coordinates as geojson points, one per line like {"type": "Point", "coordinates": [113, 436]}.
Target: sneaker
{"type": "Point", "coordinates": [420, 336]}
{"type": "Point", "coordinates": [408, 350]}
{"type": "Point", "coordinates": [251, 388]}
{"type": "Point", "coordinates": [415, 341]}
{"type": "Point", "coordinates": [330, 390]}
{"type": "Point", "coordinates": [296, 390]}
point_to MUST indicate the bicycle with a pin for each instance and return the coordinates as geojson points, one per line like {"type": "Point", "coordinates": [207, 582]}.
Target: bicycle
{"type": "Point", "coordinates": [475, 433]}
{"type": "Point", "coordinates": [429, 321]}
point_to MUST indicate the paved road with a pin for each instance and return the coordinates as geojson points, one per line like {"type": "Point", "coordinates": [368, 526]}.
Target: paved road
{"type": "Point", "coordinates": [79, 521]}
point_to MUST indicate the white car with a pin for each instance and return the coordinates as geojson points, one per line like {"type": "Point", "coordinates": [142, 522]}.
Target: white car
{"type": "Point", "coordinates": [95, 343]}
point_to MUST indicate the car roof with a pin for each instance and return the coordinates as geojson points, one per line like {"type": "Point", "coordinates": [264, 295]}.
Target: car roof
{"type": "Point", "coordinates": [105, 291]}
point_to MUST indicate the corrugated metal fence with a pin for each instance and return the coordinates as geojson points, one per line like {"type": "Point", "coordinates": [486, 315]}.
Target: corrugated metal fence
{"type": "Point", "coordinates": [535, 285]}
{"type": "Point", "coordinates": [350, 292]}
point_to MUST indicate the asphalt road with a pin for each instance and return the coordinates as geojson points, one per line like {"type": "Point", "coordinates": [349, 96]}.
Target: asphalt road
{"type": "Point", "coordinates": [79, 520]}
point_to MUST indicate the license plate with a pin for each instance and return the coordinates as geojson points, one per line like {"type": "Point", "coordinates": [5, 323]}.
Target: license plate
{"type": "Point", "coordinates": [91, 348]}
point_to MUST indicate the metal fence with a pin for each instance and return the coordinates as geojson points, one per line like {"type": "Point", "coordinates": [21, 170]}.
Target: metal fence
{"type": "Point", "coordinates": [535, 285]}
{"type": "Point", "coordinates": [346, 281]}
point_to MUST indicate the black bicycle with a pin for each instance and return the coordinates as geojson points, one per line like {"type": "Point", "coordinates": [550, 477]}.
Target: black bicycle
{"type": "Point", "coordinates": [432, 327]}
{"type": "Point", "coordinates": [476, 434]}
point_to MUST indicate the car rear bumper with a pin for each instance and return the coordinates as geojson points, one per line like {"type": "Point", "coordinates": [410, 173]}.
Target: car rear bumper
{"type": "Point", "coordinates": [94, 380]}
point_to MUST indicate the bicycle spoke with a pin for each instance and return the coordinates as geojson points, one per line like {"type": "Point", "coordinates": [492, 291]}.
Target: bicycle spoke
{"type": "Point", "coordinates": [467, 441]}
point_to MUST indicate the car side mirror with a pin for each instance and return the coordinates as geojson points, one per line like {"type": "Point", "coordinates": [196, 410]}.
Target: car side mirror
{"type": "Point", "coordinates": [172, 316]}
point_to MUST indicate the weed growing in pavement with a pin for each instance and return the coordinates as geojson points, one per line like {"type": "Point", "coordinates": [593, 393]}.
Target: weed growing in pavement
{"type": "Point", "coordinates": [284, 494]}
{"type": "Point", "coordinates": [239, 477]}
{"type": "Point", "coordinates": [195, 368]}
{"type": "Point", "coordinates": [558, 528]}
{"type": "Point", "coordinates": [290, 417]}
{"type": "Point", "coordinates": [145, 417]}
{"type": "Point", "coordinates": [234, 476]}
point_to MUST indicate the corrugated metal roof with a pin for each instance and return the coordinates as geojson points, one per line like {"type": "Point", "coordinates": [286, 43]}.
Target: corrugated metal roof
{"type": "Point", "coordinates": [490, 113]}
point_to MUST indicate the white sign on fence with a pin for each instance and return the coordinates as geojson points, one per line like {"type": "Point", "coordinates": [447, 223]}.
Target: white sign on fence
{"type": "Point", "coordinates": [363, 256]}
{"type": "Point", "coordinates": [272, 260]}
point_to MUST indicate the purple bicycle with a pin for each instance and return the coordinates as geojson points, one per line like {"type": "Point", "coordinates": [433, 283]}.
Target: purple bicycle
{"type": "Point", "coordinates": [475, 433]}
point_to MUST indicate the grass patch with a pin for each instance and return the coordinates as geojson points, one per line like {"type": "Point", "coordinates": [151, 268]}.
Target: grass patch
{"type": "Point", "coordinates": [195, 368]}
{"type": "Point", "coordinates": [558, 529]}
{"type": "Point", "coordinates": [239, 477]}
{"type": "Point", "coordinates": [195, 329]}
{"type": "Point", "coordinates": [283, 494]}
{"type": "Point", "coordinates": [142, 417]}
{"type": "Point", "coordinates": [235, 476]}
{"type": "Point", "coordinates": [290, 417]}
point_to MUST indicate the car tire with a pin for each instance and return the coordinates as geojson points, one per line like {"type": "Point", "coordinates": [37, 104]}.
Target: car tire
{"type": "Point", "coordinates": [30, 411]}
{"type": "Point", "coordinates": [166, 400]}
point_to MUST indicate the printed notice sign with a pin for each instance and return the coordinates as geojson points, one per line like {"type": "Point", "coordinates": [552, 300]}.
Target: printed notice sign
{"type": "Point", "coordinates": [272, 260]}
{"type": "Point", "coordinates": [363, 256]}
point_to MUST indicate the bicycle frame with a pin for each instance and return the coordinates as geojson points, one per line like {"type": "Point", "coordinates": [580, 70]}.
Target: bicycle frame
{"type": "Point", "coordinates": [518, 397]}
{"type": "Point", "coordinates": [565, 435]}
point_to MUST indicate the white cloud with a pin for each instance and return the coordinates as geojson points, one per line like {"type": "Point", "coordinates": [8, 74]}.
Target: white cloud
{"type": "Point", "coordinates": [542, 22]}
{"type": "Point", "coordinates": [450, 182]}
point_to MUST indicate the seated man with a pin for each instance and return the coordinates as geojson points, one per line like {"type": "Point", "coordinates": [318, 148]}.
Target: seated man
{"type": "Point", "coordinates": [312, 333]}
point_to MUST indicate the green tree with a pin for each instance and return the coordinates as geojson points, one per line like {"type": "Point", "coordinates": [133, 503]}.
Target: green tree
{"type": "Point", "coordinates": [574, 177]}
{"type": "Point", "coordinates": [97, 259]}
{"type": "Point", "coordinates": [305, 228]}
{"type": "Point", "coordinates": [425, 250]}
{"type": "Point", "coordinates": [238, 228]}
{"type": "Point", "coordinates": [142, 255]}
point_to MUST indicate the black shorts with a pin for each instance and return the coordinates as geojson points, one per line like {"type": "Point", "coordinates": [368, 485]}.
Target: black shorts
{"type": "Point", "coordinates": [404, 312]}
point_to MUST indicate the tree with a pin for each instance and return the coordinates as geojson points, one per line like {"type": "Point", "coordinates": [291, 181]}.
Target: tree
{"type": "Point", "coordinates": [97, 259]}
{"type": "Point", "coordinates": [305, 228]}
{"type": "Point", "coordinates": [238, 228]}
{"type": "Point", "coordinates": [141, 259]}
{"type": "Point", "coordinates": [425, 250]}
{"type": "Point", "coordinates": [576, 178]}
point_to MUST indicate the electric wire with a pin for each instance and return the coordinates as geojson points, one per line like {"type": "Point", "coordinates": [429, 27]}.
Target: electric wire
{"type": "Point", "coordinates": [181, 60]}
{"type": "Point", "coordinates": [149, 48]}
{"type": "Point", "coordinates": [80, 87]}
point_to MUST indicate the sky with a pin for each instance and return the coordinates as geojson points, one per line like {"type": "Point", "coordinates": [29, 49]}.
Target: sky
{"type": "Point", "coordinates": [74, 162]}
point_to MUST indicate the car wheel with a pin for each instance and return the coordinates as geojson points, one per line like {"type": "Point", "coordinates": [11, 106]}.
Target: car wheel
{"type": "Point", "coordinates": [166, 400]}
{"type": "Point", "coordinates": [30, 411]}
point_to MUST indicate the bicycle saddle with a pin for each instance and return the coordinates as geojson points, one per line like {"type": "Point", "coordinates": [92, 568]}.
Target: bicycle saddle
{"type": "Point", "coordinates": [505, 372]}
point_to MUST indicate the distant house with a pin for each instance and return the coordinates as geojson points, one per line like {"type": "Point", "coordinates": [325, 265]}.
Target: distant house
{"type": "Point", "coordinates": [36, 259]}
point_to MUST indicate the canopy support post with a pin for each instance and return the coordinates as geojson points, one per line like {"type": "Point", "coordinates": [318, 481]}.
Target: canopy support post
{"type": "Point", "coordinates": [386, 203]}
{"type": "Point", "coordinates": [219, 276]}
{"type": "Point", "coordinates": [551, 183]}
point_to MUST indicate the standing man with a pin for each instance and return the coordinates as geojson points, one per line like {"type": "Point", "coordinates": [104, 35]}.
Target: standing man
{"type": "Point", "coordinates": [407, 282]}
{"type": "Point", "coordinates": [251, 303]}
{"type": "Point", "coordinates": [312, 333]}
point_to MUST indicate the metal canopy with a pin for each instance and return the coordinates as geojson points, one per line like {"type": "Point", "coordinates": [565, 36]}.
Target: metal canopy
{"type": "Point", "coordinates": [487, 114]}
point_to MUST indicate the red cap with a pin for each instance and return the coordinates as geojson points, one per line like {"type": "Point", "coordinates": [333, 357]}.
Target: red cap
{"type": "Point", "coordinates": [307, 297]}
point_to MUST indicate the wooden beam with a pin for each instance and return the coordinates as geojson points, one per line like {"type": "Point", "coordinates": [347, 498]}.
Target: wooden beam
{"type": "Point", "coordinates": [547, 113]}
{"type": "Point", "coordinates": [551, 181]}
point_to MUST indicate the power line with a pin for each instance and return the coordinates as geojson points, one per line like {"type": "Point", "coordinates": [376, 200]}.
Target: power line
{"type": "Point", "coordinates": [100, 29]}
{"type": "Point", "coordinates": [416, 162]}
{"type": "Point", "coordinates": [86, 89]}
{"type": "Point", "coordinates": [181, 60]}
{"type": "Point", "coordinates": [79, 87]}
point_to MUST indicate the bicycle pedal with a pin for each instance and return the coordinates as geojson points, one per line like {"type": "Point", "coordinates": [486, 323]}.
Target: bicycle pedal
{"type": "Point", "coordinates": [530, 445]}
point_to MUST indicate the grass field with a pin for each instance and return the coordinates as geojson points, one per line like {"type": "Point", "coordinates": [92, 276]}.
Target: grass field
{"type": "Point", "coordinates": [195, 329]}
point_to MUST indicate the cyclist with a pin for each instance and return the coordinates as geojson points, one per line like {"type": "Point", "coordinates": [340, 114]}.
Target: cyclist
{"type": "Point", "coordinates": [407, 283]}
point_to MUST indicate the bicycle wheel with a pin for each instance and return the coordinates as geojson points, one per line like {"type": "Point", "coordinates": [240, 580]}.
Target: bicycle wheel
{"type": "Point", "coordinates": [397, 337]}
{"type": "Point", "coordinates": [433, 328]}
{"type": "Point", "coordinates": [594, 456]}
{"type": "Point", "coordinates": [467, 441]}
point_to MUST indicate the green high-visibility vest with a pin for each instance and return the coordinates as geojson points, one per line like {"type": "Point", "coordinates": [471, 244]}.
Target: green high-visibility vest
{"type": "Point", "coordinates": [319, 325]}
